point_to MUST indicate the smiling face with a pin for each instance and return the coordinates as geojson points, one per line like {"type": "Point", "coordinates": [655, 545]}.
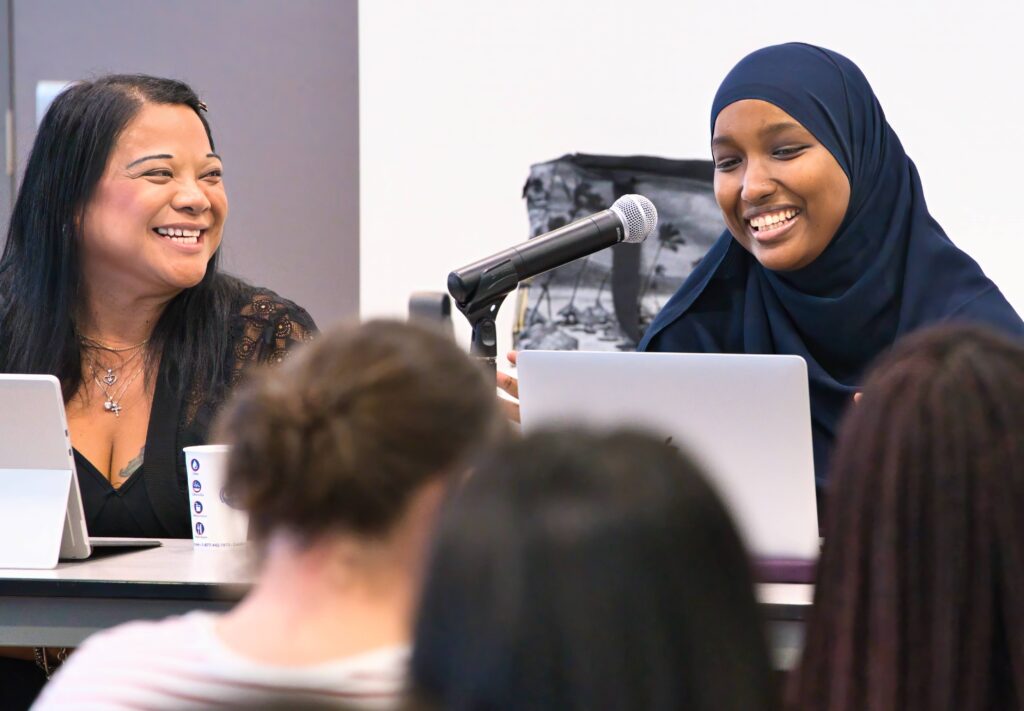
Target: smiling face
{"type": "Point", "coordinates": [782, 193]}
{"type": "Point", "coordinates": [158, 212]}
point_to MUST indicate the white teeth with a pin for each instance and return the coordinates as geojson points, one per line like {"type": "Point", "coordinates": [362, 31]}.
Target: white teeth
{"type": "Point", "coordinates": [175, 232]}
{"type": "Point", "coordinates": [770, 220]}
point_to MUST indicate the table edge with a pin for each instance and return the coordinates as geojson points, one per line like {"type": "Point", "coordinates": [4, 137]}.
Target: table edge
{"type": "Point", "coordinates": [128, 589]}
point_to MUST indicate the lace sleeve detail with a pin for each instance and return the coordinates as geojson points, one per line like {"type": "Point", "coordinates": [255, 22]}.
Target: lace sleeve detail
{"type": "Point", "coordinates": [267, 329]}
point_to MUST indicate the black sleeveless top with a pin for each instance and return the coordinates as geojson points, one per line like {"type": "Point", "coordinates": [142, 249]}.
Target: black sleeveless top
{"type": "Point", "coordinates": [153, 501]}
{"type": "Point", "coordinates": [125, 511]}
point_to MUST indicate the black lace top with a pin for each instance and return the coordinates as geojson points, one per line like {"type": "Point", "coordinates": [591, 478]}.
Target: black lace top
{"type": "Point", "coordinates": [153, 502]}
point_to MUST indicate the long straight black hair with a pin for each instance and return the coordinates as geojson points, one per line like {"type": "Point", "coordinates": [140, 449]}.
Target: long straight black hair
{"type": "Point", "coordinates": [40, 277]}
{"type": "Point", "coordinates": [577, 570]}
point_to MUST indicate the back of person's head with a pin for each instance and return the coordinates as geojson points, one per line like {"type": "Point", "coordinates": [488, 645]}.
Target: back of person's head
{"type": "Point", "coordinates": [920, 597]}
{"type": "Point", "coordinates": [340, 438]}
{"type": "Point", "coordinates": [586, 571]}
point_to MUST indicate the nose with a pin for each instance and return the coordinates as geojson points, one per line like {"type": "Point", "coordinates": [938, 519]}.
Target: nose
{"type": "Point", "coordinates": [190, 198]}
{"type": "Point", "coordinates": [758, 183]}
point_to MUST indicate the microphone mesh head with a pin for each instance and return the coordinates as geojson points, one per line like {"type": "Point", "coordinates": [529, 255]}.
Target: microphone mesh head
{"type": "Point", "coordinates": [638, 215]}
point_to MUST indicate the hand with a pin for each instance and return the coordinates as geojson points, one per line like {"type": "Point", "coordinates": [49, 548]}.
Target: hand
{"type": "Point", "coordinates": [510, 386]}
{"type": "Point", "coordinates": [856, 398]}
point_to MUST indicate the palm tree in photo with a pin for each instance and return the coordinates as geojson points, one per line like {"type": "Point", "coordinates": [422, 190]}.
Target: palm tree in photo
{"type": "Point", "coordinates": [670, 238]}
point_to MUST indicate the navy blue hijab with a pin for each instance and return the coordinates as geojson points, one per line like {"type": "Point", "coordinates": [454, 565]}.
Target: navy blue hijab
{"type": "Point", "coordinates": [889, 269]}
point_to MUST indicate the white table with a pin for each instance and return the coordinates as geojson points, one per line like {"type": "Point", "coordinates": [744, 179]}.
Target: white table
{"type": "Point", "coordinates": [61, 607]}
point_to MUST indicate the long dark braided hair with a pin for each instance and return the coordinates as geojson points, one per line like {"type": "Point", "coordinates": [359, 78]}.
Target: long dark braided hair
{"type": "Point", "coordinates": [920, 599]}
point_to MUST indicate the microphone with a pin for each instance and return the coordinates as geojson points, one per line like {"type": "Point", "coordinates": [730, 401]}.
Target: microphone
{"type": "Point", "coordinates": [630, 219]}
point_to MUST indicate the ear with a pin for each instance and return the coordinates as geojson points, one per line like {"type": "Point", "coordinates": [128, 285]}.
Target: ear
{"type": "Point", "coordinates": [76, 223]}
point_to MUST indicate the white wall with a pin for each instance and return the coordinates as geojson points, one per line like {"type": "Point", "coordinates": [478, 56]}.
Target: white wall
{"type": "Point", "coordinates": [281, 82]}
{"type": "Point", "coordinates": [459, 97]}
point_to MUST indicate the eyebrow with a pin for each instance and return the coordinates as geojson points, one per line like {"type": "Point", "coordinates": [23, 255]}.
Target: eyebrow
{"type": "Point", "coordinates": [159, 156]}
{"type": "Point", "coordinates": [165, 156]}
{"type": "Point", "coordinates": [779, 127]}
{"type": "Point", "coordinates": [768, 130]}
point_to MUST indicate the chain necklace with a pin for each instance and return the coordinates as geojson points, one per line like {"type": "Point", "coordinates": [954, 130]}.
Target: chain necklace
{"type": "Point", "coordinates": [110, 377]}
{"type": "Point", "coordinates": [112, 400]}
{"type": "Point", "coordinates": [99, 345]}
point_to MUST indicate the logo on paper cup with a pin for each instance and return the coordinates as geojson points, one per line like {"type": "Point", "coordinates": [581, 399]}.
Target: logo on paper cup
{"type": "Point", "coordinates": [200, 528]}
{"type": "Point", "coordinates": [196, 486]}
{"type": "Point", "coordinates": [198, 506]}
{"type": "Point", "coordinates": [195, 465]}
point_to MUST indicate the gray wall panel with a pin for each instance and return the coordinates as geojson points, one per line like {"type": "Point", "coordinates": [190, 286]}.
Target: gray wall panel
{"type": "Point", "coordinates": [6, 180]}
{"type": "Point", "coordinates": [281, 80]}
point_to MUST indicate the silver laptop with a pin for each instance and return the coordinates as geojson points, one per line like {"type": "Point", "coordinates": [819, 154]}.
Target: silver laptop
{"type": "Point", "coordinates": [745, 418]}
{"type": "Point", "coordinates": [41, 515]}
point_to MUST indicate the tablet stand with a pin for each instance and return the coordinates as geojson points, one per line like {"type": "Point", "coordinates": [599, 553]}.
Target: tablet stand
{"type": "Point", "coordinates": [32, 512]}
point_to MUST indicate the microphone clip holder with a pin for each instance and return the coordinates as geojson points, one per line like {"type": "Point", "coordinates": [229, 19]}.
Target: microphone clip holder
{"type": "Point", "coordinates": [484, 343]}
{"type": "Point", "coordinates": [479, 302]}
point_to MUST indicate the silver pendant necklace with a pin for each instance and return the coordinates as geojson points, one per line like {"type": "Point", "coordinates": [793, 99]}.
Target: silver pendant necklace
{"type": "Point", "coordinates": [105, 383]}
{"type": "Point", "coordinates": [112, 401]}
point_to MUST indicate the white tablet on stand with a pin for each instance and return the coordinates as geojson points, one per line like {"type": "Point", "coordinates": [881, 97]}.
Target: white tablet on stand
{"type": "Point", "coordinates": [41, 515]}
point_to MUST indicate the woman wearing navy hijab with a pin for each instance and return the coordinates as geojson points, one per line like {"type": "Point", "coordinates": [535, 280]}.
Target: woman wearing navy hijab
{"type": "Point", "coordinates": [830, 252]}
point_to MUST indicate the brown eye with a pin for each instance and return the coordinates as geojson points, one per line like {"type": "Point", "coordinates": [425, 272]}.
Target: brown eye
{"type": "Point", "coordinates": [788, 152]}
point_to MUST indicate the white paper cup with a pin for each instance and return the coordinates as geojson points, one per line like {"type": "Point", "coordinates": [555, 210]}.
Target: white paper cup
{"type": "Point", "coordinates": [215, 523]}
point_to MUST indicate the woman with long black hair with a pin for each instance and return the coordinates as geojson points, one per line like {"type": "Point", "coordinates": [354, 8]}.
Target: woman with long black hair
{"type": "Point", "coordinates": [584, 570]}
{"type": "Point", "coordinates": [109, 281]}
